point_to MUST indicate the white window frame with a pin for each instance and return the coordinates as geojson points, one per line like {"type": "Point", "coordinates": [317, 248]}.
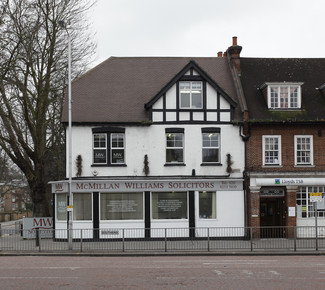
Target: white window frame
{"type": "Point", "coordinates": [279, 87]}
{"type": "Point", "coordinates": [99, 148]}
{"type": "Point", "coordinates": [279, 150]}
{"type": "Point", "coordinates": [311, 150]}
{"type": "Point", "coordinates": [175, 148]}
{"type": "Point", "coordinates": [116, 148]}
{"type": "Point", "coordinates": [211, 147]}
{"type": "Point", "coordinates": [190, 92]}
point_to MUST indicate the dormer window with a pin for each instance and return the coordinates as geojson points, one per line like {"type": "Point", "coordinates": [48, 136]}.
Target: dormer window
{"type": "Point", "coordinates": [284, 96]}
{"type": "Point", "coordinates": [191, 93]}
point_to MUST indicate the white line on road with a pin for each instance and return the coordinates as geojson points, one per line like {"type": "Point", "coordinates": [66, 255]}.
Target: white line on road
{"type": "Point", "coordinates": [20, 277]}
{"type": "Point", "coordinates": [218, 272]}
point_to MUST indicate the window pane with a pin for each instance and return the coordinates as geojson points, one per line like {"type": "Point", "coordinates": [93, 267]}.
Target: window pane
{"type": "Point", "coordinates": [82, 206]}
{"type": "Point", "coordinates": [169, 205]}
{"type": "Point", "coordinates": [210, 147]}
{"type": "Point", "coordinates": [185, 100]}
{"type": "Point", "coordinates": [99, 140]}
{"type": "Point", "coordinates": [303, 150]}
{"type": "Point", "coordinates": [210, 155]}
{"type": "Point", "coordinates": [174, 155]}
{"type": "Point", "coordinates": [100, 156]}
{"type": "Point", "coordinates": [174, 148]}
{"type": "Point", "coordinates": [121, 206]}
{"type": "Point", "coordinates": [207, 205]}
{"type": "Point", "coordinates": [284, 97]}
{"type": "Point", "coordinates": [61, 207]}
{"type": "Point", "coordinates": [196, 99]}
{"type": "Point", "coordinates": [117, 155]}
{"type": "Point", "coordinates": [271, 150]}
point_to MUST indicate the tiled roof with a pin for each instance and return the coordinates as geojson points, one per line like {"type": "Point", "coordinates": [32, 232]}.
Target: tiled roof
{"type": "Point", "coordinates": [309, 71]}
{"type": "Point", "coordinates": [117, 90]}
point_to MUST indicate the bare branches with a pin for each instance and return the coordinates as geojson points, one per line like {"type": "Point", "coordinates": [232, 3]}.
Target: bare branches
{"type": "Point", "coordinates": [33, 73]}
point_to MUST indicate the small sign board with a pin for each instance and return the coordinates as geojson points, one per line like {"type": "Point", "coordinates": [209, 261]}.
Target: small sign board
{"type": "Point", "coordinates": [44, 224]}
{"type": "Point", "coordinates": [315, 196]}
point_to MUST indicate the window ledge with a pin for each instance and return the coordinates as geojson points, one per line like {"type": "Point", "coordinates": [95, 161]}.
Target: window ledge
{"type": "Point", "coordinates": [108, 165]}
{"type": "Point", "coordinates": [211, 164]}
{"type": "Point", "coordinates": [175, 164]}
{"type": "Point", "coordinates": [304, 165]}
{"type": "Point", "coordinates": [272, 166]}
{"type": "Point", "coordinates": [285, 109]}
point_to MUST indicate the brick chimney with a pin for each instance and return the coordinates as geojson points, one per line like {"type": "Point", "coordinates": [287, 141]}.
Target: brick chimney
{"type": "Point", "coordinates": [234, 53]}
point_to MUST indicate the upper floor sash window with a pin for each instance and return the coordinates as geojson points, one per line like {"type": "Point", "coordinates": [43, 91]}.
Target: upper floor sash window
{"type": "Point", "coordinates": [100, 148]}
{"type": "Point", "coordinates": [109, 146]}
{"type": "Point", "coordinates": [191, 94]}
{"type": "Point", "coordinates": [272, 150]}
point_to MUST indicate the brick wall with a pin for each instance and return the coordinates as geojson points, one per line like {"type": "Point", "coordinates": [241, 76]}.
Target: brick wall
{"type": "Point", "coordinates": [287, 133]}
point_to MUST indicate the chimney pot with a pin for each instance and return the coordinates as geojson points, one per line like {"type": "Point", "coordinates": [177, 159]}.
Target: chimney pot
{"type": "Point", "coordinates": [220, 54]}
{"type": "Point", "coordinates": [225, 54]}
{"type": "Point", "coordinates": [234, 41]}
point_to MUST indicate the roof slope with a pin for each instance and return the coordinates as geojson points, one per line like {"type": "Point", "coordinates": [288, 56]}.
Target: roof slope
{"type": "Point", "coordinates": [310, 71]}
{"type": "Point", "coordinates": [116, 90]}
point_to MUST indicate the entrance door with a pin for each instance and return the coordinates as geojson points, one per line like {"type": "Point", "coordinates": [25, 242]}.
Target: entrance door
{"type": "Point", "coordinates": [272, 217]}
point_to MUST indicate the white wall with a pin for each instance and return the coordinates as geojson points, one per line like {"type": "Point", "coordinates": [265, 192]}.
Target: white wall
{"type": "Point", "coordinates": [151, 140]}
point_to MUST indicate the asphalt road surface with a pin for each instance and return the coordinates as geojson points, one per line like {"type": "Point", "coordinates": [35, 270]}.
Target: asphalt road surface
{"type": "Point", "coordinates": [163, 272]}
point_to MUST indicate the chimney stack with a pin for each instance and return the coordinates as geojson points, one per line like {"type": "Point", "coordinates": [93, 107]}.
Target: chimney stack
{"type": "Point", "coordinates": [234, 41]}
{"type": "Point", "coordinates": [234, 53]}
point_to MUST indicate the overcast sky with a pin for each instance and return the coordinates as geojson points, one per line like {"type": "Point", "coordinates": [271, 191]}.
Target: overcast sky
{"type": "Point", "coordinates": [273, 28]}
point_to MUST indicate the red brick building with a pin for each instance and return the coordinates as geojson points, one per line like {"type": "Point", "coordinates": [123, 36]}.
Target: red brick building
{"type": "Point", "coordinates": [283, 102]}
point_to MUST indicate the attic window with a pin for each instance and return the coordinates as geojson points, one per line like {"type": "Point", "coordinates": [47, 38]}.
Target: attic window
{"type": "Point", "coordinates": [190, 95]}
{"type": "Point", "coordinates": [284, 96]}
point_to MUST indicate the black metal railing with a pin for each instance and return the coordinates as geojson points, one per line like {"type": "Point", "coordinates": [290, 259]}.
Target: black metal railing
{"type": "Point", "coordinates": [232, 239]}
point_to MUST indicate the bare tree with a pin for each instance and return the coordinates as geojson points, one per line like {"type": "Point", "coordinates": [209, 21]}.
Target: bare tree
{"type": "Point", "coordinates": [33, 74]}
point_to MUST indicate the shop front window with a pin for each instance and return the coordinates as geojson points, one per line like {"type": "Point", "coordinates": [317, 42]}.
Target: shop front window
{"type": "Point", "coordinates": [305, 208]}
{"type": "Point", "coordinates": [121, 206]}
{"type": "Point", "coordinates": [82, 206]}
{"type": "Point", "coordinates": [169, 205]}
{"type": "Point", "coordinates": [61, 207]}
{"type": "Point", "coordinates": [207, 205]}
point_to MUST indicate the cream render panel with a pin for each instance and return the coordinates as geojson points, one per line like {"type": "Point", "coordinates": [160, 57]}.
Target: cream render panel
{"type": "Point", "coordinates": [151, 141]}
{"type": "Point", "coordinates": [212, 97]}
{"type": "Point", "coordinates": [171, 98]}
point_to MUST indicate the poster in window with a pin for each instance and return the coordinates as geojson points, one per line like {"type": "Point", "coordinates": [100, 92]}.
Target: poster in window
{"type": "Point", "coordinates": [99, 156]}
{"type": "Point", "coordinates": [118, 156]}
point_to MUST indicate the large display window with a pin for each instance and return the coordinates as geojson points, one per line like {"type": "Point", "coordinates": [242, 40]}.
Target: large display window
{"type": "Point", "coordinates": [121, 206]}
{"type": "Point", "coordinates": [169, 205]}
{"type": "Point", "coordinates": [207, 205]}
{"type": "Point", "coordinates": [61, 207]}
{"type": "Point", "coordinates": [82, 206]}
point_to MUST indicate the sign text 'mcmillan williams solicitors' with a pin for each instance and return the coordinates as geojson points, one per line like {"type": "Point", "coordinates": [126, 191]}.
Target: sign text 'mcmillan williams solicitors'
{"type": "Point", "coordinates": [132, 186]}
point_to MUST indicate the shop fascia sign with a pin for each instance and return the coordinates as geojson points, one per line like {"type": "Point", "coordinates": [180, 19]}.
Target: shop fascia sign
{"type": "Point", "coordinates": [289, 181]}
{"type": "Point", "coordinates": [152, 185]}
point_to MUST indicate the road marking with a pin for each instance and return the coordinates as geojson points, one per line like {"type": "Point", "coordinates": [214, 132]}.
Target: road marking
{"type": "Point", "coordinates": [237, 263]}
{"type": "Point", "coordinates": [247, 272]}
{"type": "Point", "coordinates": [20, 277]}
{"type": "Point", "coordinates": [274, 272]}
{"type": "Point", "coordinates": [218, 272]}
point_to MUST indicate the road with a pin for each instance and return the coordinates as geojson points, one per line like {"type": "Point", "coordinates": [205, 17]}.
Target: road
{"type": "Point", "coordinates": [167, 272]}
